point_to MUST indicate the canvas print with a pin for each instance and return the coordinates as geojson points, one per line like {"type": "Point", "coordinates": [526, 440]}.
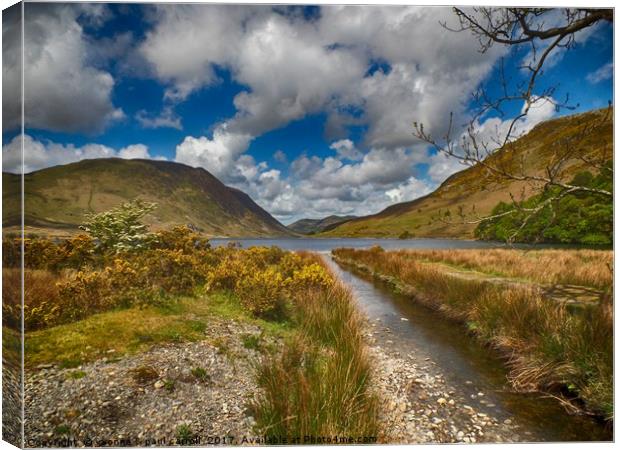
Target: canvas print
{"type": "Point", "coordinates": [231, 225]}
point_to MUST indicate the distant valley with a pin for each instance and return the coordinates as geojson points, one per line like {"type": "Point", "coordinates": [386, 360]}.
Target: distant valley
{"type": "Point", "coordinates": [313, 226]}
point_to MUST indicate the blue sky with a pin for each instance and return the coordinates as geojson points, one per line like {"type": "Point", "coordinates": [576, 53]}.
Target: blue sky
{"type": "Point", "coordinates": [308, 110]}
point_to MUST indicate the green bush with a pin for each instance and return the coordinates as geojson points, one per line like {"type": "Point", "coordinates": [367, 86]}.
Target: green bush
{"type": "Point", "coordinates": [576, 218]}
{"type": "Point", "coordinates": [121, 228]}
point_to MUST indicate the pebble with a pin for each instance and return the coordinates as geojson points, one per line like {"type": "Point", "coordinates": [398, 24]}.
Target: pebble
{"type": "Point", "coordinates": [108, 404]}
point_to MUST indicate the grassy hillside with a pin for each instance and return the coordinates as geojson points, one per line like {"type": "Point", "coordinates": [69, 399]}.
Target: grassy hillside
{"type": "Point", "coordinates": [311, 226]}
{"type": "Point", "coordinates": [475, 187]}
{"type": "Point", "coordinates": [57, 198]}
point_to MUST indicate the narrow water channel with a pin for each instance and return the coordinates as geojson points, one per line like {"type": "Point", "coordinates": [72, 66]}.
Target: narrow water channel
{"type": "Point", "coordinates": [468, 366]}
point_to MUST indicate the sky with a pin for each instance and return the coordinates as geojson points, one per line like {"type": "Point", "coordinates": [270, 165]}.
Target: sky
{"type": "Point", "coordinates": [309, 109]}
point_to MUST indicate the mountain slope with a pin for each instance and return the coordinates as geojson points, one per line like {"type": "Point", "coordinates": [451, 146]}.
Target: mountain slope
{"type": "Point", "coordinates": [311, 226]}
{"type": "Point", "coordinates": [475, 187]}
{"type": "Point", "coordinates": [57, 198]}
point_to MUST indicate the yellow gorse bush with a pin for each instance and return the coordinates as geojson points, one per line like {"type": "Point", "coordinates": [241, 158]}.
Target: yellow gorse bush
{"type": "Point", "coordinates": [262, 292]}
{"type": "Point", "coordinates": [86, 281]}
{"type": "Point", "coordinates": [310, 276]}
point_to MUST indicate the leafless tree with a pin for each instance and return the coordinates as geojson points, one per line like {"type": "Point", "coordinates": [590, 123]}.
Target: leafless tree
{"type": "Point", "coordinates": [543, 31]}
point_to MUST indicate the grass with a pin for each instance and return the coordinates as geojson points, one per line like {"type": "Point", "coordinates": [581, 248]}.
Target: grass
{"type": "Point", "coordinates": [547, 347]}
{"type": "Point", "coordinates": [62, 430]}
{"type": "Point", "coordinates": [315, 381]}
{"type": "Point", "coordinates": [135, 329]}
{"type": "Point", "coordinates": [76, 374]}
{"type": "Point", "coordinates": [251, 342]}
{"type": "Point", "coordinates": [578, 267]}
{"type": "Point", "coordinates": [200, 374]}
{"type": "Point", "coordinates": [326, 371]}
{"type": "Point", "coordinates": [184, 434]}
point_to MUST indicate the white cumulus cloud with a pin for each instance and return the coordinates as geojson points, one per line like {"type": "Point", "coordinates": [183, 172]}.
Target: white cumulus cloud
{"type": "Point", "coordinates": [39, 155]}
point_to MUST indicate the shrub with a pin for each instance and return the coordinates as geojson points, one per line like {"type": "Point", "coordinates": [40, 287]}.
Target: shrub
{"type": "Point", "coordinates": [262, 293]}
{"type": "Point", "coordinates": [85, 293]}
{"type": "Point", "coordinates": [575, 218]}
{"type": "Point", "coordinates": [310, 276]}
{"type": "Point", "coordinates": [121, 228]}
{"type": "Point", "coordinates": [180, 238]}
{"type": "Point", "coordinates": [42, 305]}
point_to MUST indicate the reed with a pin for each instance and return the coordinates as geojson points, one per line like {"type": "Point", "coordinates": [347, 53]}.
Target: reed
{"type": "Point", "coordinates": [325, 370]}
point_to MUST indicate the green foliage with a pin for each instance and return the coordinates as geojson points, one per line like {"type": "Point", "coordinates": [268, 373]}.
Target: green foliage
{"type": "Point", "coordinates": [76, 374]}
{"type": "Point", "coordinates": [405, 235]}
{"type": "Point", "coordinates": [251, 342]}
{"type": "Point", "coordinates": [200, 374]}
{"type": "Point", "coordinates": [121, 228]}
{"type": "Point", "coordinates": [184, 434]}
{"type": "Point", "coordinates": [576, 218]}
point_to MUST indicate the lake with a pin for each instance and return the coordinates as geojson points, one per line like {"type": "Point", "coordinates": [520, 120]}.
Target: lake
{"type": "Point", "coordinates": [327, 244]}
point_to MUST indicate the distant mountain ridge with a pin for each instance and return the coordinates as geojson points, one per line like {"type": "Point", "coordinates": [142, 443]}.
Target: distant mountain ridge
{"type": "Point", "coordinates": [311, 226]}
{"type": "Point", "coordinates": [474, 186]}
{"type": "Point", "coordinates": [57, 198]}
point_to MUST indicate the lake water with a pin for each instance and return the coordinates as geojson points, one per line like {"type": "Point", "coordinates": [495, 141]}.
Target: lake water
{"type": "Point", "coordinates": [327, 244]}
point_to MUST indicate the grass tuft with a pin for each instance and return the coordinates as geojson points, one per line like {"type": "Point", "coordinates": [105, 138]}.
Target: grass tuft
{"type": "Point", "coordinates": [325, 369]}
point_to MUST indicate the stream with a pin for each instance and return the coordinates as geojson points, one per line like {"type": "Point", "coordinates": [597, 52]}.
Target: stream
{"type": "Point", "coordinates": [444, 347]}
{"type": "Point", "coordinates": [469, 367]}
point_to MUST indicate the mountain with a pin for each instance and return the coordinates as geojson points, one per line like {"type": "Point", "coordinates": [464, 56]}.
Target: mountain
{"type": "Point", "coordinates": [311, 226]}
{"type": "Point", "coordinates": [475, 187]}
{"type": "Point", "coordinates": [57, 198]}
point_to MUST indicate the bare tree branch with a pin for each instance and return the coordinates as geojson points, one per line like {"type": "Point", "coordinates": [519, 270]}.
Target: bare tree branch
{"type": "Point", "coordinates": [514, 27]}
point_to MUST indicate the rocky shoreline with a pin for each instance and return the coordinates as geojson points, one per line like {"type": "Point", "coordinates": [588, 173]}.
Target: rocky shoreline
{"type": "Point", "coordinates": [420, 406]}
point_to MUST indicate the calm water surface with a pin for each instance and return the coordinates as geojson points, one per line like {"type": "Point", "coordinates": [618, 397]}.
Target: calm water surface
{"type": "Point", "coordinates": [325, 245]}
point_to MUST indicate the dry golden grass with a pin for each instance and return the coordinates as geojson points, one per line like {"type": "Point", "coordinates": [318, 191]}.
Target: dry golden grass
{"type": "Point", "coordinates": [580, 267]}
{"type": "Point", "coordinates": [41, 297]}
{"type": "Point", "coordinates": [547, 346]}
{"type": "Point", "coordinates": [325, 368]}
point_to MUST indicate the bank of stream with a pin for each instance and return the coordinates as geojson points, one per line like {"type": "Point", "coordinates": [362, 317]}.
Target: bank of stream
{"type": "Point", "coordinates": [472, 371]}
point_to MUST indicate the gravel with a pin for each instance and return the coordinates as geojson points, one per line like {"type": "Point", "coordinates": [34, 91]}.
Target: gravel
{"type": "Point", "coordinates": [419, 406]}
{"type": "Point", "coordinates": [177, 393]}
{"type": "Point", "coordinates": [152, 398]}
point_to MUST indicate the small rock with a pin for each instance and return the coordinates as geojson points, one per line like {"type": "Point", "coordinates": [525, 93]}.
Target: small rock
{"type": "Point", "coordinates": [159, 384]}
